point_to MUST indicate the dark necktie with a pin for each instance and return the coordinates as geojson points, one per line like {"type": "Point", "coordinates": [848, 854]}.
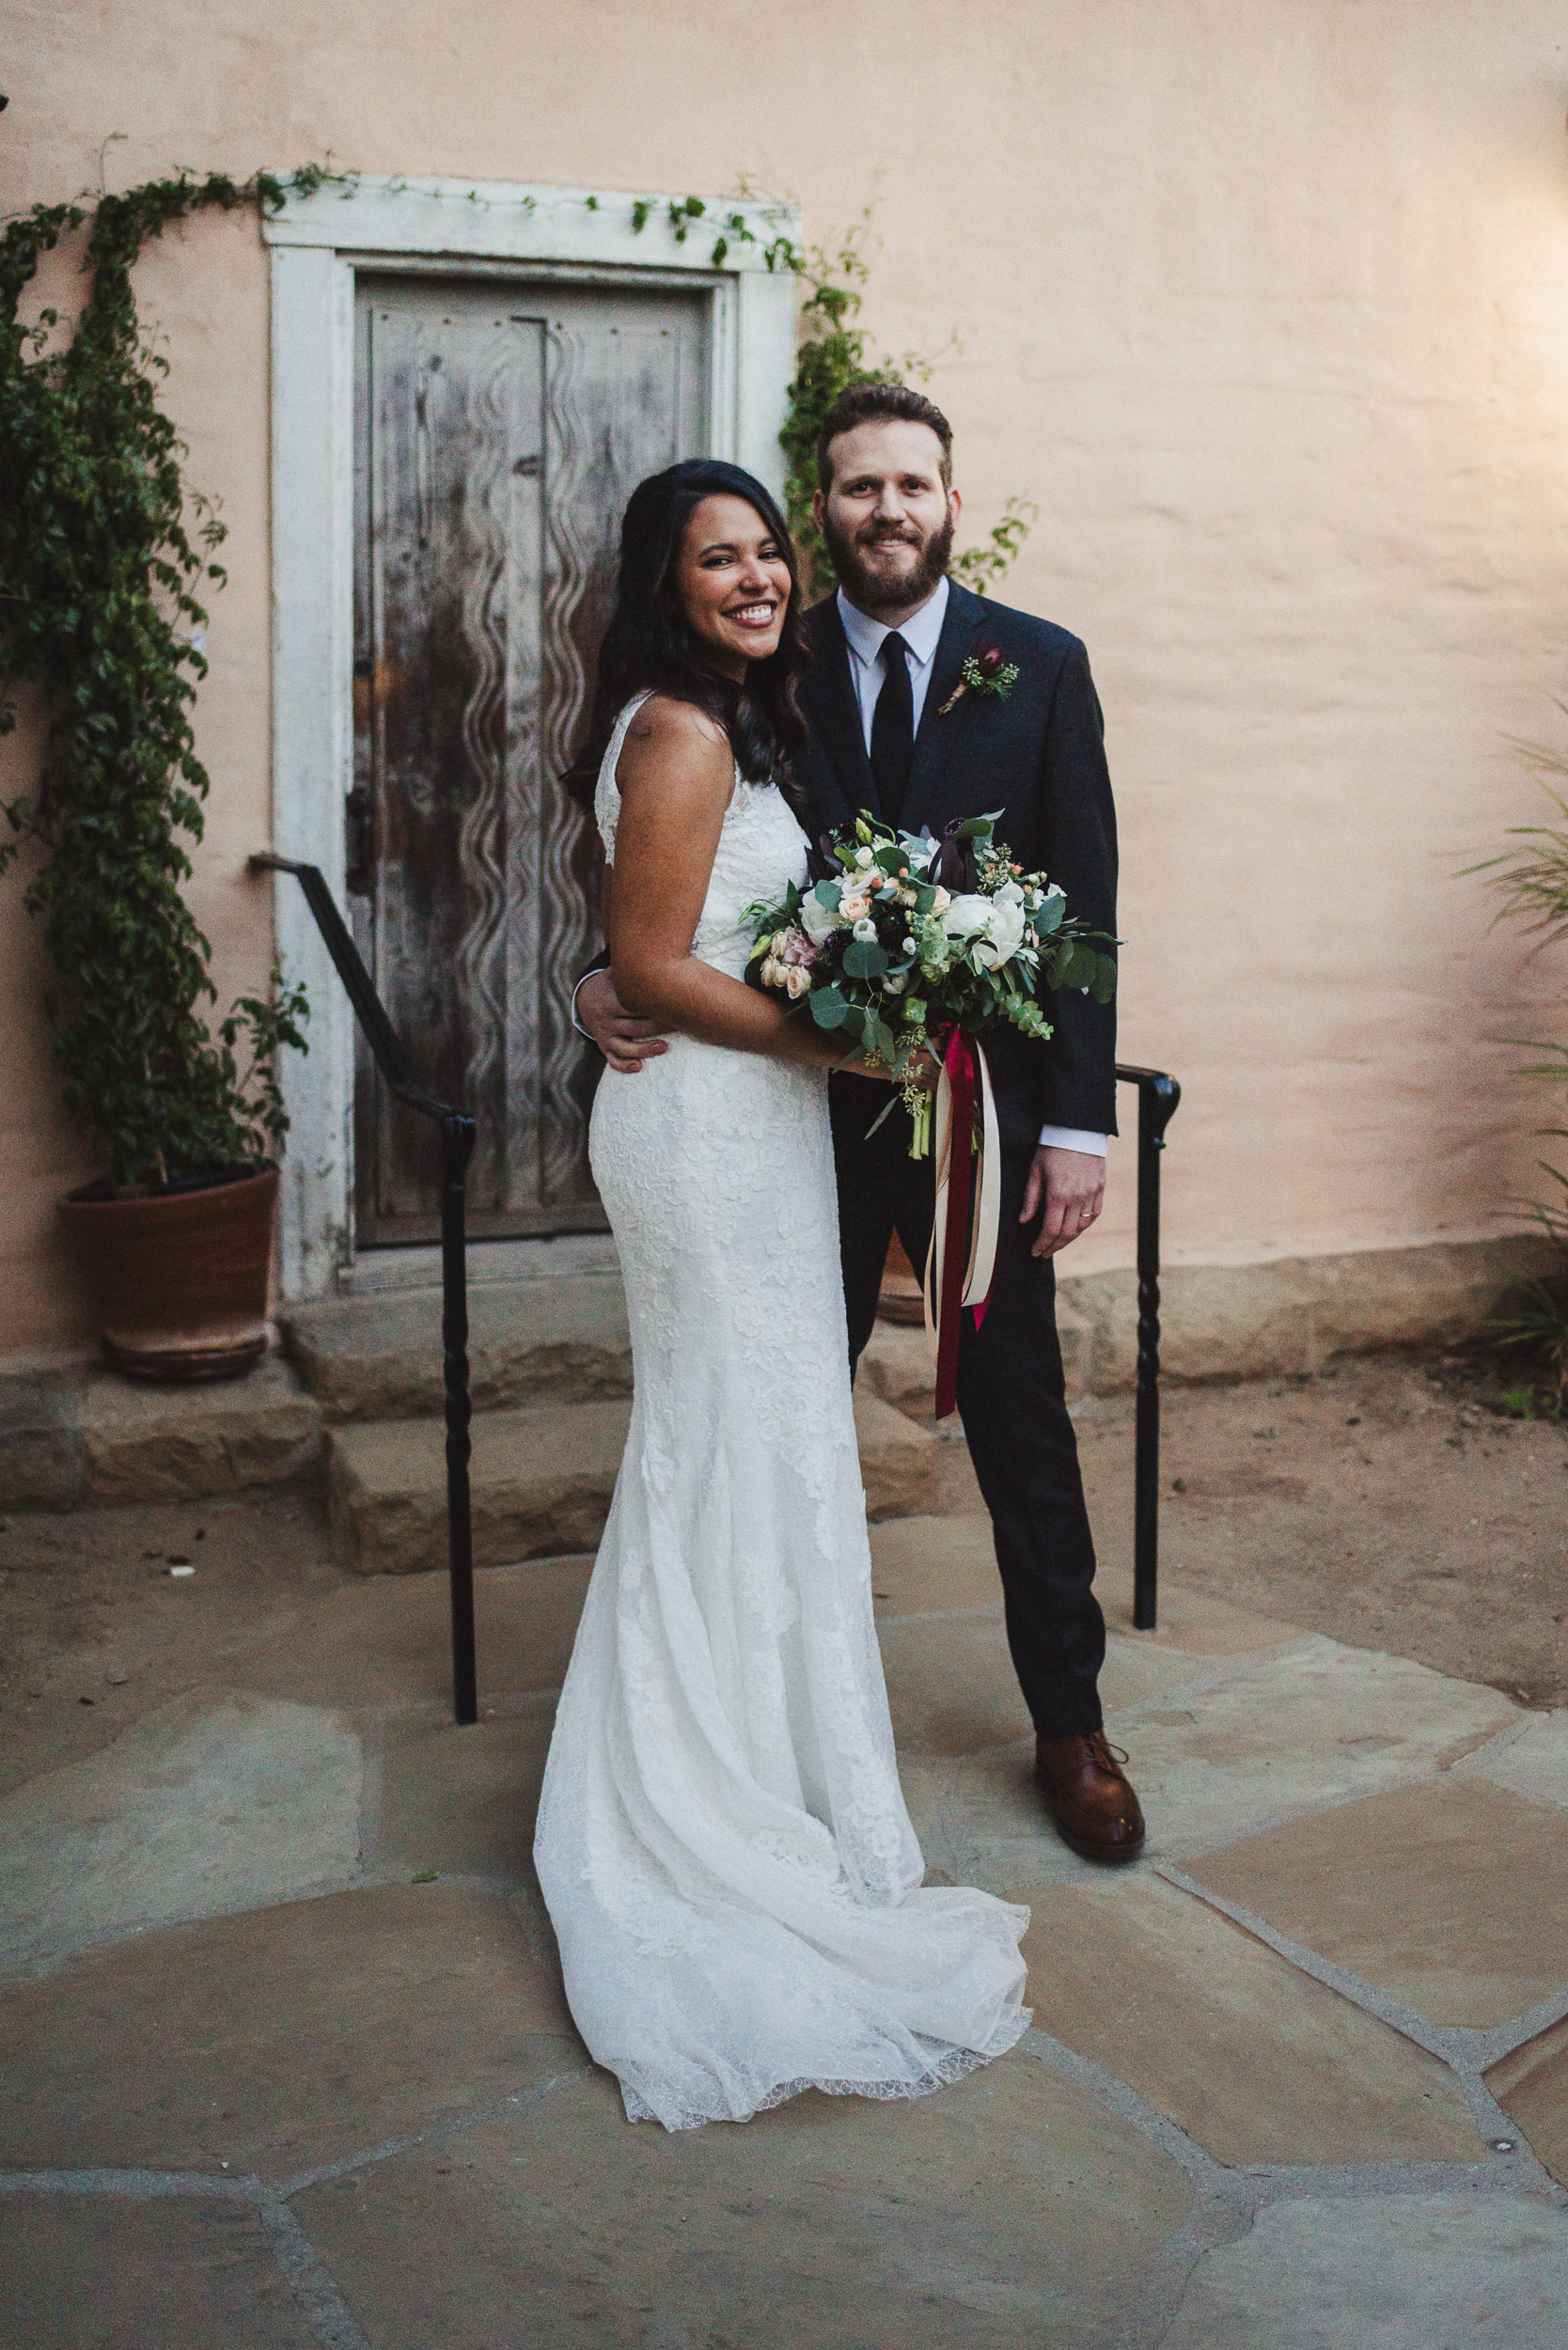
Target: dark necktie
{"type": "Point", "coordinates": [893, 729]}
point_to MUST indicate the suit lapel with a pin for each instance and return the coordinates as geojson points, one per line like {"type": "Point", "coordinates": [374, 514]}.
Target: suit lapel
{"type": "Point", "coordinates": [834, 708]}
{"type": "Point", "coordinates": [935, 740]}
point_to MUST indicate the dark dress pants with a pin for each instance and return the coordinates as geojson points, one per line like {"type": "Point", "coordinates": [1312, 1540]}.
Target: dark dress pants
{"type": "Point", "coordinates": [1010, 1399]}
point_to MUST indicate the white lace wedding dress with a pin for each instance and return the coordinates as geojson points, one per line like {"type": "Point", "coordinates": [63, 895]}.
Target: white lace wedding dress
{"type": "Point", "coordinates": [722, 1840]}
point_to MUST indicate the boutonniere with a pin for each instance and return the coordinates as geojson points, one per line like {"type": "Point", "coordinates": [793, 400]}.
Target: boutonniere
{"type": "Point", "coordinates": [988, 671]}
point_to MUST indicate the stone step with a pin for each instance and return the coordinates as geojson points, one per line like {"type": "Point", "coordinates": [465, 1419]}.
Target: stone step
{"type": "Point", "coordinates": [542, 1477]}
{"type": "Point", "coordinates": [553, 1339]}
{"type": "Point", "coordinates": [80, 1433]}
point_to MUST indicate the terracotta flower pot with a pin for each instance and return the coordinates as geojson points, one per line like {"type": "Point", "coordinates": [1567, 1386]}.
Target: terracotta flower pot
{"type": "Point", "coordinates": [181, 1279]}
{"type": "Point", "coordinates": [902, 1298]}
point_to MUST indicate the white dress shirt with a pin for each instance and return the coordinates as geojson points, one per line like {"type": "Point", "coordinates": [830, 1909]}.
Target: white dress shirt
{"type": "Point", "coordinates": [867, 637]}
{"type": "Point", "coordinates": [921, 633]}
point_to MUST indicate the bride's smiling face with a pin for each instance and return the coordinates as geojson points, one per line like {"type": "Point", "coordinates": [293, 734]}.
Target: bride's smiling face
{"type": "Point", "coordinates": [733, 583]}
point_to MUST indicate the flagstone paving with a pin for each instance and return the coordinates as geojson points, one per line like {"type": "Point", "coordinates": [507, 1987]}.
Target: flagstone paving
{"type": "Point", "coordinates": [1453, 1895]}
{"type": "Point", "coordinates": [1384, 2272]}
{"type": "Point", "coordinates": [288, 2061]}
{"type": "Point", "coordinates": [1256, 2061]}
{"type": "Point", "coordinates": [106, 2272]}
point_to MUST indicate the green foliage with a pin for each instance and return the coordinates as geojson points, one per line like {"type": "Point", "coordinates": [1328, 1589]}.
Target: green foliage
{"type": "Point", "coordinates": [832, 355]}
{"type": "Point", "coordinates": [105, 555]}
{"type": "Point", "coordinates": [986, 566]}
{"type": "Point", "coordinates": [1532, 882]}
{"type": "Point", "coordinates": [1538, 1321]}
{"type": "Point", "coordinates": [1533, 885]}
{"type": "Point", "coordinates": [100, 574]}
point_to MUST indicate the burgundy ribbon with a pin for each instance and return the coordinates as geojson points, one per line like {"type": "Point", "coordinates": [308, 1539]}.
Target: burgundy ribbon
{"type": "Point", "coordinates": [955, 1243]}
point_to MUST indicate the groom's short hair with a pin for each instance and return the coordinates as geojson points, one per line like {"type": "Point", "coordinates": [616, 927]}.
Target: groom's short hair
{"type": "Point", "coordinates": [878, 403]}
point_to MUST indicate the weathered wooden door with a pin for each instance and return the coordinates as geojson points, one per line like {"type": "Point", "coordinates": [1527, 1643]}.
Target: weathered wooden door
{"type": "Point", "coordinates": [499, 429]}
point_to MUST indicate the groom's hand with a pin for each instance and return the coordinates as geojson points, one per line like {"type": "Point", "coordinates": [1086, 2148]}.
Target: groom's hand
{"type": "Point", "coordinates": [625, 1041]}
{"type": "Point", "coordinates": [1071, 1183]}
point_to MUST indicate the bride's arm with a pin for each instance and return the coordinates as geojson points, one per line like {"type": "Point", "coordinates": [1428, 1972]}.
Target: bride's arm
{"type": "Point", "coordinates": [676, 774]}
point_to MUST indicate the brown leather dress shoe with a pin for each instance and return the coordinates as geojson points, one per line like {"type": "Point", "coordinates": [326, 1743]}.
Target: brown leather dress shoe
{"type": "Point", "coordinates": [1089, 1798]}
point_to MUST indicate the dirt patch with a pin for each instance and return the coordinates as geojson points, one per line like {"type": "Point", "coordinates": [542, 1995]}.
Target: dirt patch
{"type": "Point", "coordinates": [1390, 1502]}
{"type": "Point", "coordinates": [96, 1624]}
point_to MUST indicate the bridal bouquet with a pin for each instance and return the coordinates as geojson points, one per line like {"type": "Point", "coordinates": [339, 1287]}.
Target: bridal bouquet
{"type": "Point", "coordinates": [914, 947]}
{"type": "Point", "coordinates": [897, 941]}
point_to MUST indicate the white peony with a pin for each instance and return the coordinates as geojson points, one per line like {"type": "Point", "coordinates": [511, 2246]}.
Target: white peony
{"type": "Point", "coordinates": [818, 921]}
{"type": "Point", "coordinates": [1005, 934]}
{"type": "Point", "coordinates": [961, 918]}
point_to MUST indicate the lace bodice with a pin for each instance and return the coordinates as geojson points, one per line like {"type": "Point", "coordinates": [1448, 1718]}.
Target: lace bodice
{"type": "Point", "coordinates": [762, 849]}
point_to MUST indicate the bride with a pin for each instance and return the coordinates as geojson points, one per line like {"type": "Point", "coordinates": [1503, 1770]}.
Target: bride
{"type": "Point", "coordinates": [734, 1879]}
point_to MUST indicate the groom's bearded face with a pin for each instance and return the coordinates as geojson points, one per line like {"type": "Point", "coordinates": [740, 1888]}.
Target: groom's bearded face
{"type": "Point", "coordinates": [888, 515]}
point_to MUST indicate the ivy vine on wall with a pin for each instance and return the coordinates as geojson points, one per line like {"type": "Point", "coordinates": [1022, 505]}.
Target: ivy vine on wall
{"type": "Point", "coordinates": [104, 552]}
{"type": "Point", "coordinates": [833, 354]}
{"type": "Point", "coordinates": [100, 570]}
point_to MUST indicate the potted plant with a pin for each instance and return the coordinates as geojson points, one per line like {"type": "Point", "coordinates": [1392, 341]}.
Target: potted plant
{"type": "Point", "coordinates": [99, 617]}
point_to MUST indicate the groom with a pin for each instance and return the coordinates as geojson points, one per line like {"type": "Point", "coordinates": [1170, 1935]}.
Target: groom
{"type": "Point", "coordinates": [886, 733]}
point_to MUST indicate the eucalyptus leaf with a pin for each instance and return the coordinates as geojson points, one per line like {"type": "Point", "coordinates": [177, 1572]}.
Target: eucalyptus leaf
{"type": "Point", "coordinates": [879, 1037]}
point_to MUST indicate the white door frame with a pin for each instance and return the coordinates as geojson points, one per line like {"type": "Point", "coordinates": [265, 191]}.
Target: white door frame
{"type": "Point", "coordinates": [318, 244]}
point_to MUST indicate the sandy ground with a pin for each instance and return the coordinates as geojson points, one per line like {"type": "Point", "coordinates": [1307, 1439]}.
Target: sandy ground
{"type": "Point", "coordinates": [1390, 1502]}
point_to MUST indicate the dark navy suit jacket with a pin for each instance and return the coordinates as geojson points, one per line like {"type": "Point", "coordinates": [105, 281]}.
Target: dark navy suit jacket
{"type": "Point", "coordinates": [1037, 755]}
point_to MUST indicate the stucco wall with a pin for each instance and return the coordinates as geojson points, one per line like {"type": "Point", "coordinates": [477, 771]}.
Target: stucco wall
{"type": "Point", "coordinates": [1266, 303]}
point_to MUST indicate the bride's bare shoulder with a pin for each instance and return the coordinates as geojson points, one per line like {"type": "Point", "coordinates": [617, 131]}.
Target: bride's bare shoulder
{"type": "Point", "coordinates": [668, 738]}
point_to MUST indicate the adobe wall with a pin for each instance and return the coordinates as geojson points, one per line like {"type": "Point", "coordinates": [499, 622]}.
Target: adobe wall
{"type": "Point", "coordinates": [1266, 304]}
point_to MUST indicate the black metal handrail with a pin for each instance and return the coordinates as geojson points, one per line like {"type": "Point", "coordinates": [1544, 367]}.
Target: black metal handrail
{"type": "Point", "coordinates": [457, 1146]}
{"type": "Point", "coordinates": [1158, 1096]}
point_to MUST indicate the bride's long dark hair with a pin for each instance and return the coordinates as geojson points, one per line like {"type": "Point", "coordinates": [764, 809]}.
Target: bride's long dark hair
{"type": "Point", "coordinates": [648, 642]}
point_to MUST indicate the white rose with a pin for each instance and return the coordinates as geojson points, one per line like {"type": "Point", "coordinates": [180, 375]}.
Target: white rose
{"type": "Point", "coordinates": [853, 906]}
{"type": "Point", "coordinates": [1006, 935]}
{"type": "Point", "coordinates": [818, 921]}
{"type": "Point", "coordinates": [963, 917]}
{"type": "Point", "coordinates": [866, 928]}
{"type": "Point", "coordinates": [797, 980]}
{"type": "Point", "coordinates": [864, 856]}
